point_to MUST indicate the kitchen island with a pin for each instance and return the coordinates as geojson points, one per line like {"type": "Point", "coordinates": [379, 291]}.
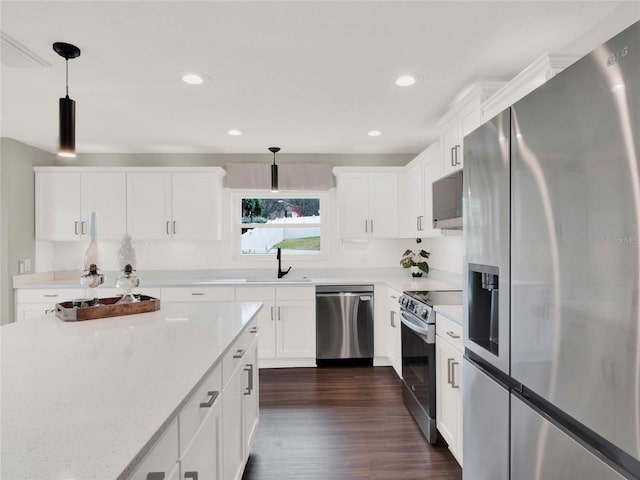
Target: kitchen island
{"type": "Point", "coordinates": [89, 400]}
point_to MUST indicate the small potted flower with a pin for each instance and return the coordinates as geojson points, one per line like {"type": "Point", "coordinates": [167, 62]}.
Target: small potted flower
{"type": "Point", "coordinates": [416, 261]}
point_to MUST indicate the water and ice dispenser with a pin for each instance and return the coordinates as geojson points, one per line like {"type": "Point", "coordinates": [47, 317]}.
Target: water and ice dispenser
{"type": "Point", "coordinates": [484, 320]}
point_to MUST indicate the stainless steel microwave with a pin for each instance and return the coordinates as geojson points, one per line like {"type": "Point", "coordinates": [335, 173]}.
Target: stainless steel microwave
{"type": "Point", "coordinates": [447, 202]}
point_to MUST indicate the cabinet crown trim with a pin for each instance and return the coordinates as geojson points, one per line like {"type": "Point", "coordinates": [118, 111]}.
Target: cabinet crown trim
{"type": "Point", "coordinates": [64, 169]}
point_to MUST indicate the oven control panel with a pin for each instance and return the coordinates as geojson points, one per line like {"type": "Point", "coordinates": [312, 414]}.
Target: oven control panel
{"type": "Point", "coordinates": [415, 307]}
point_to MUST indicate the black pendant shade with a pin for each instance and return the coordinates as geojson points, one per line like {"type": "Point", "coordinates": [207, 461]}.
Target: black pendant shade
{"type": "Point", "coordinates": [67, 106]}
{"type": "Point", "coordinates": [274, 169]}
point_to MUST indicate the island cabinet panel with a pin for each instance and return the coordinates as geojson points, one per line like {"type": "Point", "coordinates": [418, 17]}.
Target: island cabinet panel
{"type": "Point", "coordinates": [287, 324]}
{"type": "Point", "coordinates": [162, 458]}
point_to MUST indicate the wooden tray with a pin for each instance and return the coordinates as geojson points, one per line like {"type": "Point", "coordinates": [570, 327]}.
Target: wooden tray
{"type": "Point", "coordinates": [107, 308]}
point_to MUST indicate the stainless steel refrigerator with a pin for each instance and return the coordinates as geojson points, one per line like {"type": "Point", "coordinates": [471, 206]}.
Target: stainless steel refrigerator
{"type": "Point", "coordinates": [552, 265]}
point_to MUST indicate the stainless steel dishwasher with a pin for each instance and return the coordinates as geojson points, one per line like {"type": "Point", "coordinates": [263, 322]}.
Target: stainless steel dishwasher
{"type": "Point", "coordinates": [344, 324]}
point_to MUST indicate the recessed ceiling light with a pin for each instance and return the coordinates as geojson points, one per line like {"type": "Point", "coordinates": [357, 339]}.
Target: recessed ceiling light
{"type": "Point", "coordinates": [193, 78]}
{"type": "Point", "coordinates": [374, 133]}
{"type": "Point", "coordinates": [234, 132]}
{"type": "Point", "coordinates": [405, 81]}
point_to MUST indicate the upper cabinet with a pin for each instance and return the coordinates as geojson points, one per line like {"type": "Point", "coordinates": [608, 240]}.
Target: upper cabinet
{"type": "Point", "coordinates": [416, 195]}
{"type": "Point", "coordinates": [367, 202]}
{"type": "Point", "coordinates": [66, 197]}
{"type": "Point", "coordinates": [148, 203]}
{"type": "Point", "coordinates": [182, 205]}
{"type": "Point", "coordinates": [461, 120]}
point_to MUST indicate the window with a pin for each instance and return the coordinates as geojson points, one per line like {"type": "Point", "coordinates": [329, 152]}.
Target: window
{"type": "Point", "coordinates": [292, 224]}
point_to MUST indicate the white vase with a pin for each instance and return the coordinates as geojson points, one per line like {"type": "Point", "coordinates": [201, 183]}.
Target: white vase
{"type": "Point", "coordinates": [415, 271]}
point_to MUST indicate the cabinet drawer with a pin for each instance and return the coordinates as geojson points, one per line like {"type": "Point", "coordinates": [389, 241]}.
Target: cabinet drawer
{"type": "Point", "coordinates": [117, 292]}
{"type": "Point", "coordinates": [450, 331]}
{"type": "Point", "coordinates": [255, 294]}
{"type": "Point", "coordinates": [198, 294]}
{"type": "Point", "coordinates": [199, 406]}
{"type": "Point", "coordinates": [235, 355]}
{"type": "Point", "coordinates": [296, 293]}
{"type": "Point", "coordinates": [162, 457]}
{"type": "Point", "coordinates": [48, 295]}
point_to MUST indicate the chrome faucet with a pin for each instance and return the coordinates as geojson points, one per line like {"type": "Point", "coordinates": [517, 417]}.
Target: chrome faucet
{"type": "Point", "coordinates": [281, 273]}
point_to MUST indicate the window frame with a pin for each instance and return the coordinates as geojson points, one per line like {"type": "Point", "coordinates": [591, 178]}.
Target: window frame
{"type": "Point", "coordinates": [237, 225]}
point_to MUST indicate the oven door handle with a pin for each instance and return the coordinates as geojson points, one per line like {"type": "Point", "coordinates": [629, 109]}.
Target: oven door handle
{"type": "Point", "coordinates": [406, 320]}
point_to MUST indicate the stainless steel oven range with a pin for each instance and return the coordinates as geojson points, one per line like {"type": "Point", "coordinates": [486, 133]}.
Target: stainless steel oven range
{"type": "Point", "coordinates": [419, 354]}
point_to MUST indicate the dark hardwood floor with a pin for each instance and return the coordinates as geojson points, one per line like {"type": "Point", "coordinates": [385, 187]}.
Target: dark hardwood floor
{"type": "Point", "coordinates": [340, 423]}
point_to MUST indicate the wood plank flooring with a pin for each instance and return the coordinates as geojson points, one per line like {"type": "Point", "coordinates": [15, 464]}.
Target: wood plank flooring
{"type": "Point", "coordinates": [342, 423]}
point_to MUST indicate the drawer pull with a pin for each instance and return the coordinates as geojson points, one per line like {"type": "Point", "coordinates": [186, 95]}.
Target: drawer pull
{"type": "Point", "coordinates": [212, 398]}
{"type": "Point", "coordinates": [50, 295]}
{"type": "Point", "coordinates": [453, 335]}
{"type": "Point", "coordinates": [239, 353]}
{"type": "Point", "coordinates": [155, 476]}
{"type": "Point", "coordinates": [191, 475]}
{"type": "Point", "coordinates": [249, 370]}
{"type": "Point", "coordinates": [197, 294]}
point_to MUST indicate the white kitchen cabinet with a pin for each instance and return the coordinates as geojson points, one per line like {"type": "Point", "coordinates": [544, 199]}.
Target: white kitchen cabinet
{"type": "Point", "coordinates": [460, 120]}
{"type": "Point", "coordinates": [161, 461]}
{"type": "Point", "coordinates": [65, 198]}
{"type": "Point", "coordinates": [449, 351]}
{"type": "Point", "coordinates": [431, 171]}
{"type": "Point", "coordinates": [35, 302]}
{"type": "Point", "coordinates": [287, 324]}
{"type": "Point", "coordinates": [394, 338]}
{"type": "Point", "coordinates": [367, 202]}
{"type": "Point", "coordinates": [183, 205]}
{"type": "Point", "coordinates": [202, 458]}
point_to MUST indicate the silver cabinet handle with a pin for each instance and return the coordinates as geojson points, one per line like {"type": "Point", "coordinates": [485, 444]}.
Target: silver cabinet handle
{"type": "Point", "coordinates": [249, 370]}
{"type": "Point", "coordinates": [452, 162]}
{"type": "Point", "coordinates": [197, 294]}
{"type": "Point", "coordinates": [174, 227]}
{"type": "Point", "coordinates": [50, 295]}
{"type": "Point", "coordinates": [212, 398]}
{"type": "Point", "coordinates": [371, 225]}
{"type": "Point", "coordinates": [75, 226]}
{"type": "Point", "coordinates": [84, 227]}
{"type": "Point", "coordinates": [272, 314]}
{"type": "Point", "coordinates": [449, 375]}
{"type": "Point", "coordinates": [167, 227]}
{"type": "Point", "coordinates": [280, 313]}
{"type": "Point", "coordinates": [239, 353]}
{"type": "Point", "coordinates": [394, 297]}
{"type": "Point", "coordinates": [366, 227]}
{"type": "Point", "coordinates": [453, 378]}
{"type": "Point", "coordinates": [453, 335]}
{"type": "Point", "coordinates": [191, 475]}
{"type": "Point", "coordinates": [254, 330]}
{"type": "Point", "coordinates": [456, 148]}
{"type": "Point", "coordinates": [393, 318]}
{"type": "Point", "coordinates": [155, 476]}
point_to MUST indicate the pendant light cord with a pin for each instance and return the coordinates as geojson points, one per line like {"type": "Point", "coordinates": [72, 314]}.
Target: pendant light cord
{"type": "Point", "coordinates": [67, 76]}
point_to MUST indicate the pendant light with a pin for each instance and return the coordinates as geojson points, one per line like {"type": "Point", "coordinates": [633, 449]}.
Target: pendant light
{"type": "Point", "coordinates": [274, 169]}
{"type": "Point", "coordinates": [67, 112]}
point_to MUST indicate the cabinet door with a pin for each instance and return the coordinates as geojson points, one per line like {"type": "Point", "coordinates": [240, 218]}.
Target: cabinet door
{"type": "Point", "coordinates": [194, 206]}
{"type": "Point", "coordinates": [296, 329]}
{"type": "Point", "coordinates": [383, 205]}
{"type": "Point", "coordinates": [162, 457]}
{"type": "Point", "coordinates": [445, 395]}
{"type": "Point", "coordinates": [203, 455]}
{"type": "Point", "coordinates": [250, 393]}
{"type": "Point", "coordinates": [413, 211]}
{"type": "Point", "coordinates": [232, 428]}
{"type": "Point", "coordinates": [105, 194]}
{"type": "Point", "coordinates": [431, 171]}
{"type": "Point", "coordinates": [353, 204]}
{"type": "Point", "coordinates": [149, 205]}
{"type": "Point", "coordinates": [58, 200]}
{"type": "Point", "coordinates": [451, 141]}
{"type": "Point", "coordinates": [394, 335]}
{"type": "Point", "coordinates": [33, 310]}
{"type": "Point", "coordinates": [266, 316]}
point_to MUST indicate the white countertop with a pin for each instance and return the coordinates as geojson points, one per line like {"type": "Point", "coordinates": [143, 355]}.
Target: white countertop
{"type": "Point", "coordinates": [397, 278]}
{"type": "Point", "coordinates": [454, 312]}
{"type": "Point", "coordinates": [79, 400]}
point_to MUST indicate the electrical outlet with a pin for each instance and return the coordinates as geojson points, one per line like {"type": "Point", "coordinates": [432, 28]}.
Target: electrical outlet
{"type": "Point", "coordinates": [27, 265]}
{"type": "Point", "coordinates": [20, 266]}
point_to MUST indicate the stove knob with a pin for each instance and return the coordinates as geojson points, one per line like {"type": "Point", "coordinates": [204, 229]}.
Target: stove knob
{"type": "Point", "coordinates": [424, 312]}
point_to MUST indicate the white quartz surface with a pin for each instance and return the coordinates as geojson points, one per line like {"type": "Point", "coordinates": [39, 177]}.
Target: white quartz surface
{"type": "Point", "coordinates": [79, 400]}
{"type": "Point", "coordinates": [454, 312]}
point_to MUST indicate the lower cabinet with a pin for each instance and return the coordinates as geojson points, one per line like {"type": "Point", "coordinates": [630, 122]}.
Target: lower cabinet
{"type": "Point", "coordinates": [212, 435]}
{"type": "Point", "coordinates": [449, 353]}
{"type": "Point", "coordinates": [394, 337]}
{"type": "Point", "coordinates": [287, 324]}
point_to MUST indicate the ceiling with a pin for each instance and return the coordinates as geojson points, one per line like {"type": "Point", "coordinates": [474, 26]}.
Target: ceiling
{"type": "Point", "coordinates": [308, 76]}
